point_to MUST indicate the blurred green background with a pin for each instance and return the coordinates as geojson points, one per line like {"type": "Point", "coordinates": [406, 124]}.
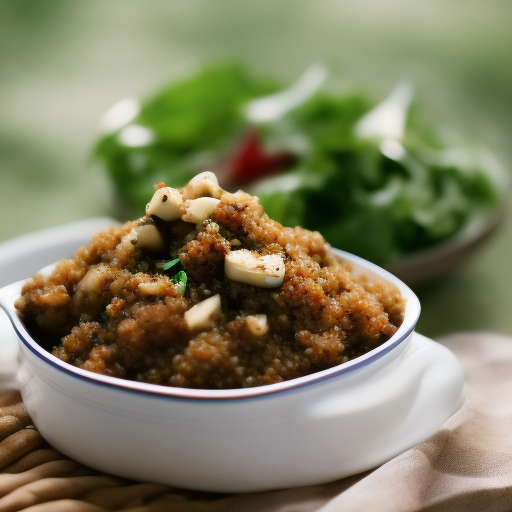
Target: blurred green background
{"type": "Point", "coordinates": [62, 64]}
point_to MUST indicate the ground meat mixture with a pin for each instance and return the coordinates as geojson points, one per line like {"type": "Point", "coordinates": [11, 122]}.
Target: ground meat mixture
{"type": "Point", "coordinates": [206, 291]}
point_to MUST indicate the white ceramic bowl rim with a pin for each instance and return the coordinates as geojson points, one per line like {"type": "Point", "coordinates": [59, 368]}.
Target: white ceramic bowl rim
{"type": "Point", "coordinates": [168, 392]}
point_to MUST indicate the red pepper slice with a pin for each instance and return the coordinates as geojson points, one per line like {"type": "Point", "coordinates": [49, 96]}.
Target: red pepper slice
{"type": "Point", "coordinates": [251, 162]}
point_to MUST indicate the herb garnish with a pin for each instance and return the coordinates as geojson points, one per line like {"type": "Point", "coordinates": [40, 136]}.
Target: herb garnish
{"type": "Point", "coordinates": [171, 267]}
{"type": "Point", "coordinates": [174, 269]}
{"type": "Point", "coordinates": [180, 280]}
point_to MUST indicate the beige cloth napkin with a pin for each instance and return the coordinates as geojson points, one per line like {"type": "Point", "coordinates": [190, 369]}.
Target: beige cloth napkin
{"type": "Point", "coordinates": [466, 466]}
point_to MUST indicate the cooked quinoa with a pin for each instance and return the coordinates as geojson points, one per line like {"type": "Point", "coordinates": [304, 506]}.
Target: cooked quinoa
{"type": "Point", "coordinates": [122, 306]}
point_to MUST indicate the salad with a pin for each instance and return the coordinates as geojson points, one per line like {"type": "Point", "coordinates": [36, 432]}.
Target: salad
{"type": "Point", "coordinates": [370, 176]}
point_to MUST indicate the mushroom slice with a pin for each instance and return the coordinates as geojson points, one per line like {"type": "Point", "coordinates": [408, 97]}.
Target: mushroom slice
{"type": "Point", "coordinates": [150, 238]}
{"type": "Point", "coordinates": [198, 210]}
{"type": "Point", "coordinates": [203, 315]}
{"type": "Point", "coordinates": [166, 204]}
{"type": "Point", "coordinates": [248, 267]}
{"type": "Point", "coordinates": [204, 184]}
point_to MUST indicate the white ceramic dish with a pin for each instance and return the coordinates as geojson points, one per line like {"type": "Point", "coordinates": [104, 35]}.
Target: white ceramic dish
{"type": "Point", "coordinates": [305, 431]}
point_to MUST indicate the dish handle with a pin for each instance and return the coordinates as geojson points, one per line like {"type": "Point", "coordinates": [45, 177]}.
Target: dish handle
{"type": "Point", "coordinates": [9, 340]}
{"type": "Point", "coordinates": [398, 406]}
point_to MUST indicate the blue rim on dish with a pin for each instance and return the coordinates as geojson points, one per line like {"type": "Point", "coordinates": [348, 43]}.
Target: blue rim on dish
{"type": "Point", "coordinates": [169, 392]}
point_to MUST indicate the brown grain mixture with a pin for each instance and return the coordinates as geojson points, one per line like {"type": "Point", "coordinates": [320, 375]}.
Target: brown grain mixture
{"type": "Point", "coordinates": [112, 309]}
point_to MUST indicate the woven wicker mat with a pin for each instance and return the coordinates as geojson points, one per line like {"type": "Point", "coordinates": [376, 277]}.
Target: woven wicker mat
{"type": "Point", "coordinates": [466, 466]}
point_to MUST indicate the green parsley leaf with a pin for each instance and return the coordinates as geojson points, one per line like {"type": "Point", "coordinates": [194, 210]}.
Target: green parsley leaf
{"type": "Point", "coordinates": [172, 267]}
{"type": "Point", "coordinates": [180, 280]}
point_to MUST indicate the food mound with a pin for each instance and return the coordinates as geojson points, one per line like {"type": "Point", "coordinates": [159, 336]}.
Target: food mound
{"type": "Point", "coordinates": [206, 291]}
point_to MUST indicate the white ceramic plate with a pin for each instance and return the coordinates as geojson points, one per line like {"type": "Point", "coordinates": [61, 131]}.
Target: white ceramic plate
{"type": "Point", "coordinates": [307, 431]}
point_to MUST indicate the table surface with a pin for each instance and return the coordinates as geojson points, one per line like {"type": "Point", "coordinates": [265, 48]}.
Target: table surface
{"type": "Point", "coordinates": [62, 64]}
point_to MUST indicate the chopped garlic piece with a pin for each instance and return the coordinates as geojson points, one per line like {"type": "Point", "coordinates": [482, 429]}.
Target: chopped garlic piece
{"type": "Point", "coordinates": [204, 184]}
{"type": "Point", "coordinates": [198, 210]}
{"type": "Point", "coordinates": [157, 287]}
{"type": "Point", "coordinates": [203, 315]}
{"type": "Point", "coordinates": [94, 280]}
{"type": "Point", "coordinates": [248, 267]}
{"type": "Point", "coordinates": [257, 324]}
{"type": "Point", "coordinates": [166, 204]}
{"type": "Point", "coordinates": [150, 238]}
